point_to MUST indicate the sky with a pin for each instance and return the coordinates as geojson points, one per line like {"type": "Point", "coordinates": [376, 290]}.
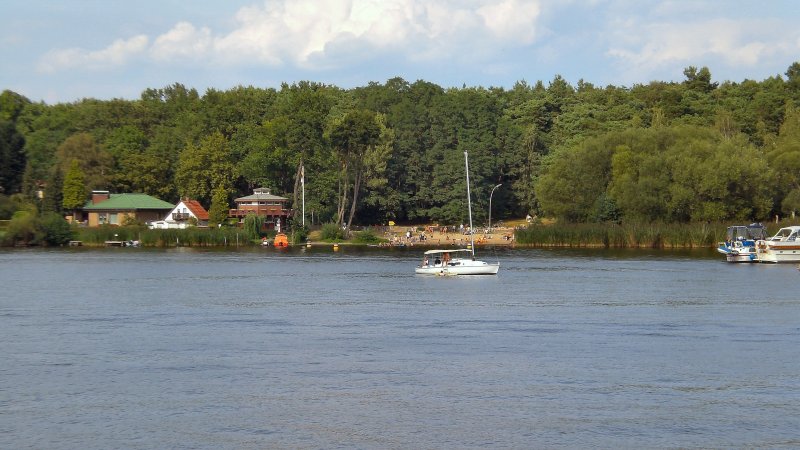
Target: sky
{"type": "Point", "coordinates": [63, 51]}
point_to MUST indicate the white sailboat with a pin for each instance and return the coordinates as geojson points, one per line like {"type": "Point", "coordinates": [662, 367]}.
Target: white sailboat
{"type": "Point", "coordinates": [448, 261]}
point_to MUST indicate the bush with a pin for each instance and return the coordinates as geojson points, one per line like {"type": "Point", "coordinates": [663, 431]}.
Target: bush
{"type": "Point", "coordinates": [22, 229]}
{"type": "Point", "coordinates": [252, 226]}
{"type": "Point", "coordinates": [299, 235]}
{"type": "Point", "coordinates": [55, 230]}
{"type": "Point", "coordinates": [366, 237]}
{"type": "Point", "coordinates": [332, 233]}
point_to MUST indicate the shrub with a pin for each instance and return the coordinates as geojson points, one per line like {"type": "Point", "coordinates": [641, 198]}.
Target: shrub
{"type": "Point", "coordinates": [331, 232]}
{"type": "Point", "coordinates": [252, 226]}
{"type": "Point", "coordinates": [299, 235]}
{"type": "Point", "coordinates": [55, 230]}
{"type": "Point", "coordinates": [22, 229]}
{"type": "Point", "coordinates": [366, 237]}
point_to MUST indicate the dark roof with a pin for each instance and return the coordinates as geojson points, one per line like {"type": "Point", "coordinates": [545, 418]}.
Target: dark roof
{"type": "Point", "coordinates": [260, 195]}
{"type": "Point", "coordinates": [128, 202]}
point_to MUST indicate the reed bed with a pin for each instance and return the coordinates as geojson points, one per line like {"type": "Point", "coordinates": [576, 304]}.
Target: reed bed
{"type": "Point", "coordinates": [189, 237]}
{"type": "Point", "coordinates": [629, 235]}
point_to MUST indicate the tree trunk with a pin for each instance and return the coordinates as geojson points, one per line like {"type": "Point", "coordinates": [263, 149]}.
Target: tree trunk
{"type": "Point", "coordinates": [296, 188]}
{"type": "Point", "coordinates": [343, 191]}
{"type": "Point", "coordinates": [356, 187]}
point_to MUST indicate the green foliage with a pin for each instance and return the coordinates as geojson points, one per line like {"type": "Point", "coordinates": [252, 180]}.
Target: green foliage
{"type": "Point", "coordinates": [9, 204]}
{"type": "Point", "coordinates": [356, 139]}
{"type": "Point", "coordinates": [28, 227]}
{"type": "Point", "coordinates": [55, 230]}
{"type": "Point", "coordinates": [252, 226]}
{"type": "Point", "coordinates": [23, 229]}
{"type": "Point", "coordinates": [695, 150]}
{"type": "Point", "coordinates": [299, 235]}
{"type": "Point", "coordinates": [74, 194]}
{"type": "Point", "coordinates": [12, 157]}
{"type": "Point", "coordinates": [94, 161]}
{"type": "Point", "coordinates": [53, 195]}
{"type": "Point", "coordinates": [205, 167]}
{"type": "Point", "coordinates": [367, 236]}
{"type": "Point", "coordinates": [332, 232]}
{"type": "Point", "coordinates": [11, 105]}
{"type": "Point", "coordinates": [218, 211]}
{"type": "Point", "coordinates": [677, 173]}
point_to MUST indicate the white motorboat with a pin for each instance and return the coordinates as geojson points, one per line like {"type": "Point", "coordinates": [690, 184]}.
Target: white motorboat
{"type": "Point", "coordinates": [783, 247]}
{"type": "Point", "coordinates": [442, 262]}
{"type": "Point", "coordinates": [447, 262]}
{"type": "Point", "coordinates": [740, 245]}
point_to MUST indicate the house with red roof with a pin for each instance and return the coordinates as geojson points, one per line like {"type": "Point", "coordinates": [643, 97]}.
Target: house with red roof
{"type": "Point", "coordinates": [187, 212]}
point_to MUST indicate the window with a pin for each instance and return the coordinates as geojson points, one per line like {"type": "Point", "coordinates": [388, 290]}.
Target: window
{"type": "Point", "coordinates": [113, 219]}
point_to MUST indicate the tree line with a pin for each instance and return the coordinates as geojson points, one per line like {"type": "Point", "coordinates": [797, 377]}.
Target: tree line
{"type": "Point", "coordinates": [695, 150]}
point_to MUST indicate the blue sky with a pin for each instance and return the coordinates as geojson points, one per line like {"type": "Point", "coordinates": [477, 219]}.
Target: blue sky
{"type": "Point", "coordinates": [62, 51]}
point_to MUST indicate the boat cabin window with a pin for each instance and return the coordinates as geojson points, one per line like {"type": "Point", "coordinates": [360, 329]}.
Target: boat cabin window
{"type": "Point", "coordinates": [785, 234]}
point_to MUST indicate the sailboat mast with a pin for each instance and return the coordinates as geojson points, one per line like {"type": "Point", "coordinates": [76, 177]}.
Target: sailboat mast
{"type": "Point", "coordinates": [469, 207]}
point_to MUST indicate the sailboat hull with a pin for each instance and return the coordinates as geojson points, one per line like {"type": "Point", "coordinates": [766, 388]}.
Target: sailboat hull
{"type": "Point", "coordinates": [459, 267]}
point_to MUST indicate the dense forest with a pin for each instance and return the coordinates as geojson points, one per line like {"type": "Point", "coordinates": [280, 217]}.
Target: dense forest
{"type": "Point", "coordinates": [686, 151]}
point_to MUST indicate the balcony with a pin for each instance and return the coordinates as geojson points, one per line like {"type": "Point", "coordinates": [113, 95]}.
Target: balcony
{"type": "Point", "coordinates": [180, 216]}
{"type": "Point", "coordinates": [263, 211]}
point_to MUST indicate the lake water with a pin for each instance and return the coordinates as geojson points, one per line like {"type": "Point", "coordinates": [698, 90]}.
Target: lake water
{"type": "Point", "coordinates": [258, 348]}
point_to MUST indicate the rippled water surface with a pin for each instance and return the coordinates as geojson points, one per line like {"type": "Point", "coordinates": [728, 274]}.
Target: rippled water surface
{"type": "Point", "coordinates": [134, 348]}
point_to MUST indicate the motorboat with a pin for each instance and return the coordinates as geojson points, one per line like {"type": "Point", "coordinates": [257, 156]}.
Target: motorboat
{"type": "Point", "coordinates": [281, 240]}
{"type": "Point", "coordinates": [449, 262]}
{"type": "Point", "coordinates": [740, 243]}
{"type": "Point", "coordinates": [783, 247]}
{"type": "Point", "coordinates": [442, 262]}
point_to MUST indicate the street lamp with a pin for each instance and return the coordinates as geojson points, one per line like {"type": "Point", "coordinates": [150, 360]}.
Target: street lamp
{"type": "Point", "coordinates": [490, 206]}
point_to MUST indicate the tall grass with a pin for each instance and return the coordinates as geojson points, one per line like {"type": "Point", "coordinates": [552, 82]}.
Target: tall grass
{"type": "Point", "coordinates": [189, 237]}
{"type": "Point", "coordinates": [628, 235]}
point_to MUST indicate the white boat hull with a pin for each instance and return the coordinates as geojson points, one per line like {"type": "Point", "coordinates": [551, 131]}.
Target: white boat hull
{"type": "Point", "coordinates": [776, 253]}
{"type": "Point", "coordinates": [459, 267]}
{"type": "Point", "coordinates": [746, 257]}
{"type": "Point", "coordinates": [783, 247]}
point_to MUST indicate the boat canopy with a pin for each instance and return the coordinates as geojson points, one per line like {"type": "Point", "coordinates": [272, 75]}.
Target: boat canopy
{"type": "Point", "coordinates": [434, 252]}
{"type": "Point", "coordinates": [754, 231]}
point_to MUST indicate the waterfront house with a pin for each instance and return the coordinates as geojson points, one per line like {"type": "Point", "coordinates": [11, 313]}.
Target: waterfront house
{"type": "Point", "coordinates": [261, 203]}
{"type": "Point", "coordinates": [114, 209]}
{"type": "Point", "coordinates": [186, 213]}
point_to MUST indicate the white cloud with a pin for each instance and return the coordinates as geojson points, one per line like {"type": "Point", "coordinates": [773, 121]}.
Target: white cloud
{"type": "Point", "coordinates": [313, 34]}
{"type": "Point", "coordinates": [741, 42]}
{"type": "Point", "coordinates": [116, 54]}
{"type": "Point", "coordinates": [182, 41]}
{"type": "Point", "coordinates": [512, 19]}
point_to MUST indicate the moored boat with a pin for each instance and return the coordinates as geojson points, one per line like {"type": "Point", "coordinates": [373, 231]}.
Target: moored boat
{"type": "Point", "coordinates": [740, 244]}
{"type": "Point", "coordinates": [784, 246]}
